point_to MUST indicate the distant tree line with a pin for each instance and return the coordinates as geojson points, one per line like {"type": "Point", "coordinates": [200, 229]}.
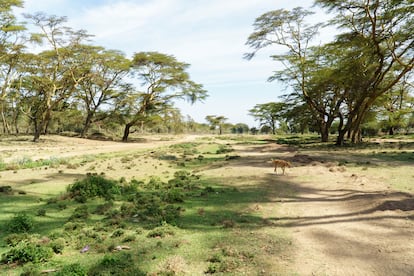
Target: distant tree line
{"type": "Point", "coordinates": [359, 82]}
{"type": "Point", "coordinates": [56, 80]}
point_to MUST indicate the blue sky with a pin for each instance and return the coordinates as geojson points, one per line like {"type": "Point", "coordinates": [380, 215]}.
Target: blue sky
{"type": "Point", "coordinates": [210, 35]}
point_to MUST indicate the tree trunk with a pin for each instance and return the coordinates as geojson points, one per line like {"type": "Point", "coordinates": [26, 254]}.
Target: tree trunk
{"type": "Point", "coordinates": [86, 125]}
{"type": "Point", "coordinates": [36, 134]}
{"type": "Point", "coordinates": [324, 130]}
{"type": "Point", "coordinates": [126, 132]}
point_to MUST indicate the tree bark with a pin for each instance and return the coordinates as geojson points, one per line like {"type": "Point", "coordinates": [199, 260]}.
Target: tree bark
{"type": "Point", "coordinates": [86, 125]}
{"type": "Point", "coordinates": [126, 132]}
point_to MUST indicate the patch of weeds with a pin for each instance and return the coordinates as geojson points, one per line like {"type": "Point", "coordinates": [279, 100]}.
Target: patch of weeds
{"type": "Point", "coordinates": [174, 265]}
{"type": "Point", "coordinates": [129, 238]}
{"type": "Point", "coordinates": [162, 231]}
{"type": "Point", "coordinates": [80, 213]}
{"type": "Point", "coordinates": [173, 196]}
{"type": "Point", "coordinates": [74, 269]}
{"type": "Point", "coordinates": [104, 208]}
{"type": "Point", "coordinates": [26, 251]}
{"type": "Point", "coordinates": [116, 264]}
{"type": "Point", "coordinates": [224, 149]}
{"type": "Point", "coordinates": [20, 223]}
{"type": "Point", "coordinates": [73, 226]}
{"type": "Point", "coordinates": [132, 187]}
{"type": "Point", "coordinates": [41, 212]}
{"type": "Point", "coordinates": [15, 238]}
{"type": "Point", "coordinates": [126, 159]}
{"type": "Point", "coordinates": [118, 233]}
{"type": "Point", "coordinates": [72, 166]}
{"type": "Point", "coordinates": [58, 245]}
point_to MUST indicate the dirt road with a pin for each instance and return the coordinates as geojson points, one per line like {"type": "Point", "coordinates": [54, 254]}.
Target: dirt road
{"type": "Point", "coordinates": [343, 220]}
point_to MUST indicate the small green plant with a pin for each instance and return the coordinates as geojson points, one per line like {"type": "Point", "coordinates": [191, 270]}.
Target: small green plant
{"type": "Point", "coordinates": [75, 269]}
{"type": "Point", "coordinates": [20, 223]}
{"type": "Point", "coordinates": [80, 213]}
{"type": "Point", "coordinates": [119, 264]}
{"type": "Point", "coordinates": [41, 212]}
{"type": "Point", "coordinates": [57, 245]}
{"type": "Point", "coordinates": [162, 231]}
{"type": "Point", "coordinates": [16, 238]}
{"type": "Point", "coordinates": [25, 252]}
{"type": "Point", "coordinates": [117, 233]}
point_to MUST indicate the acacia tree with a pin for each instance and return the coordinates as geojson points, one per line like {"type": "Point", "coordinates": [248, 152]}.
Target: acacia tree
{"type": "Point", "coordinates": [268, 114]}
{"type": "Point", "coordinates": [11, 50]}
{"type": "Point", "coordinates": [379, 34]}
{"type": "Point", "coordinates": [301, 62]}
{"type": "Point", "coordinates": [50, 77]}
{"type": "Point", "coordinates": [368, 60]}
{"type": "Point", "coordinates": [216, 122]}
{"type": "Point", "coordinates": [101, 76]}
{"type": "Point", "coordinates": [164, 79]}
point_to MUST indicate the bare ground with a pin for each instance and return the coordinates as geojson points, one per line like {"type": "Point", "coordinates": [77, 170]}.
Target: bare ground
{"type": "Point", "coordinates": [343, 220]}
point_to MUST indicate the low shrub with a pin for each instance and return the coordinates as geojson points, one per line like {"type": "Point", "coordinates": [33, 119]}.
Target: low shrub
{"type": "Point", "coordinates": [16, 238]}
{"type": "Point", "coordinates": [80, 213]}
{"type": "Point", "coordinates": [58, 245]}
{"type": "Point", "coordinates": [75, 269]}
{"type": "Point", "coordinates": [162, 231]}
{"type": "Point", "coordinates": [94, 186]}
{"type": "Point", "coordinates": [41, 212]}
{"type": "Point", "coordinates": [20, 223]}
{"type": "Point", "coordinates": [116, 264]}
{"type": "Point", "coordinates": [104, 208]}
{"type": "Point", "coordinates": [25, 252]}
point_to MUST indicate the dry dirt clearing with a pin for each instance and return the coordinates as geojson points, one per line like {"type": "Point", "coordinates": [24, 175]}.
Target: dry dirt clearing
{"type": "Point", "coordinates": [344, 219]}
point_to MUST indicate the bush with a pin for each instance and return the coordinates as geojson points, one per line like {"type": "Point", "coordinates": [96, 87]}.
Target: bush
{"type": "Point", "coordinates": [162, 231]}
{"type": "Point", "coordinates": [57, 245]}
{"type": "Point", "coordinates": [80, 212]}
{"type": "Point", "coordinates": [104, 208]}
{"type": "Point", "coordinates": [75, 269]}
{"type": "Point", "coordinates": [20, 223]}
{"type": "Point", "coordinates": [119, 264]}
{"type": "Point", "coordinates": [94, 186]}
{"type": "Point", "coordinates": [41, 212]}
{"type": "Point", "coordinates": [173, 196]}
{"type": "Point", "coordinates": [16, 238]}
{"type": "Point", "coordinates": [25, 252]}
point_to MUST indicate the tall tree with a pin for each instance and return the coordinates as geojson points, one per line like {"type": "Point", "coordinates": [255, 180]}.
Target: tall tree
{"type": "Point", "coordinates": [216, 122]}
{"type": "Point", "coordinates": [50, 79]}
{"type": "Point", "coordinates": [11, 49]}
{"type": "Point", "coordinates": [269, 114]}
{"type": "Point", "coordinates": [290, 30]}
{"type": "Point", "coordinates": [380, 34]}
{"type": "Point", "coordinates": [101, 74]}
{"type": "Point", "coordinates": [164, 79]}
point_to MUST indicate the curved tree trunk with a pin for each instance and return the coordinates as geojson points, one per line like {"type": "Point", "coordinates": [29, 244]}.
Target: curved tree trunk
{"type": "Point", "coordinates": [126, 132]}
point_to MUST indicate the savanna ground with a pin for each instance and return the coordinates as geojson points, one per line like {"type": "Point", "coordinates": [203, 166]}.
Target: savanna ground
{"type": "Point", "coordinates": [337, 211]}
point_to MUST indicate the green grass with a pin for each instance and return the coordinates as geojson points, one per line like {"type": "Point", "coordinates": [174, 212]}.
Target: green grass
{"type": "Point", "coordinates": [210, 222]}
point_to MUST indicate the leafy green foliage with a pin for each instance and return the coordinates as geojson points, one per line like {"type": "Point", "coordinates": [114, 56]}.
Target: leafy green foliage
{"type": "Point", "coordinates": [119, 264]}
{"type": "Point", "coordinates": [75, 269]}
{"type": "Point", "coordinates": [94, 186]}
{"type": "Point", "coordinates": [20, 223]}
{"type": "Point", "coordinates": [26, 251]}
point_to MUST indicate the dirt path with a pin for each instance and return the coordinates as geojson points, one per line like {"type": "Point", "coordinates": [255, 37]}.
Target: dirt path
{"type": "Point", "coordinates": [343, 221]}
